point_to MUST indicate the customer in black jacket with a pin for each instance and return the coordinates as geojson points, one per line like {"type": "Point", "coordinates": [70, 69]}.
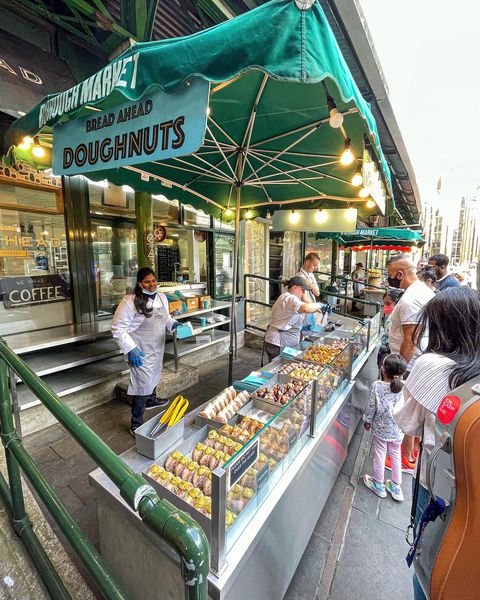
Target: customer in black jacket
{"type": "Point", "coordinates": [444, 278]}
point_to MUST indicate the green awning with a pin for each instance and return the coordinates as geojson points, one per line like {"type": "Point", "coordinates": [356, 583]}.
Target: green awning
{"type": "Point", "coordinates": [383, 236]}
{"type": "Point", "coordinates": [268, 133]}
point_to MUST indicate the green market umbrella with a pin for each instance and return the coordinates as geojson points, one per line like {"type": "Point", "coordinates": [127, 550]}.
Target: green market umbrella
{"type": "Point", "coordinates": [275, 73]}
{"type": "Point", "coordinates": [382, 236]}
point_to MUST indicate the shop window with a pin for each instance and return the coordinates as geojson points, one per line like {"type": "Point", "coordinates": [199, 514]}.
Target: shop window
{"type": "Point", "coordinates": [28, 197]}
{"type": "Point", "coordinates": [223, 264]}
{"type": "Point", "coordinates": [182, 256]}
{"type": "Point", "coordinates": [324, 250]}
{"type": "Point", "coordinates": [191, 216]}
{"type": "Point", "coordinates": [164, 210]}
{"type": "Point", "coordinates": [115, 262]}
{"type": "Point", "coordinates": [34, 271]}
{"type": "Point", "coordinates": [108, 199]}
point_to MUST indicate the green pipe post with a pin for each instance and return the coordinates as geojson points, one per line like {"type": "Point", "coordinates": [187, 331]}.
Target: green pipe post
{"type": "Point", "coordinates": [334, 262]}
{"type": "Point", "coordinates": [144, 220]}
{"type": "Point", "coordinates": [13, 497]}
{"type": "Point", "coordinates": [133, 488]}
{"type": "Point", "coordinates": [188, 539]}
{"type": "Point", "coordinates": [78, 540]}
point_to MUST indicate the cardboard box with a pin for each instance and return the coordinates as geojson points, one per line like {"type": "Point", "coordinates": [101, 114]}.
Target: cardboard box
{"type": "Point", "coordinates": [175, 305]}
{"type": "Point", "coordinates": [192, 303]}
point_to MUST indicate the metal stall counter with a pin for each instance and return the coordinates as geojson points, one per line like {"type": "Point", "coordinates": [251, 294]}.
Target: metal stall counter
{"type": "Point", "coordinates": [254, 466]}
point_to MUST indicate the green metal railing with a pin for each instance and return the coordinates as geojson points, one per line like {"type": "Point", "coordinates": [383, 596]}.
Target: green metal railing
{"type": "Point", "coordinates": [176, 527]}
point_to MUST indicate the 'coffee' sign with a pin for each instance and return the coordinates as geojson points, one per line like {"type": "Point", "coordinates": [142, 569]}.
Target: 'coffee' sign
{"type": "Point", "coordinates": [156, 127]}
{"type": "Point", "coordinates": [25, 291]}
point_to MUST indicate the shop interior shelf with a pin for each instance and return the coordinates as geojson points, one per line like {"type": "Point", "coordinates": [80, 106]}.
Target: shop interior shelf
{"type": "Point", "coordinates": [213, 325]}
{"type": "Point", "coordinates": [188, 345]}
{"type": "Point", "coordinates": [214, 305]}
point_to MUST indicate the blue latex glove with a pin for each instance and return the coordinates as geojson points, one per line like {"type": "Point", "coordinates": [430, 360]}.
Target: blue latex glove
{"type": "Point", "coordinates": [306, 328]}
{"type": "Point", "coordinates": [175, 324]}
{"type": "Point", "coordinates": [135, 357]}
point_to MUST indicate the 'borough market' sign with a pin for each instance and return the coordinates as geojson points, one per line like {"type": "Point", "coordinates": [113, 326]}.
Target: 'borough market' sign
{"type": "Point", "coordinates": [157, 126]}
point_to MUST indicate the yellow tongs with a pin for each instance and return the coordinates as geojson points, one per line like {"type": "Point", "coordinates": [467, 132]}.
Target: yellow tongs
{"type": "Point", "coordinates": [171, 416]}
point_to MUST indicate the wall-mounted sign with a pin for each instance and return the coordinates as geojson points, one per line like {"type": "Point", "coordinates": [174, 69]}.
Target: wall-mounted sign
{"type": "Point", "coordinates": [372, 181]}
{"type": "Point", "coordinates": [25, 291]}
{"type": "Point", "coordinates": [330, 219]}
{"type": "Point", "coordinates": [156, 127]}
{"type": "Point", "coordinates": [200, 236]}
{"type": "Point", "coordinates": [159, 232]}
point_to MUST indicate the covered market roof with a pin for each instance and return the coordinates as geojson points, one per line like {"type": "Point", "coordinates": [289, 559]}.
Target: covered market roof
{"type": "Point", "coordinates": [273, 75]}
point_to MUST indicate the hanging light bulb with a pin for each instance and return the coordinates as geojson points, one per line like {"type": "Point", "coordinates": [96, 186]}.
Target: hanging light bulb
{"type": "Point", "coordinates": [363, 193]}
{"type": "Point", "coordinates": [228, 213]}
{"type": "Point", "coordinates": [248, 215]}
{"type": "Point", "coordinates": [209, 111]}
{"type": "Point", "coordinates": [26, 143]}
{"type": "Point", "coordinates": [370, 203]}
{"type": "Point", "coordinates": [357, 179]}
{"type": "Point", "coordinates": [268, 215]}
{"type": "Point", "coordinates": [294, 217]}
{"type": "Point", "coordinates": [321, 216]}
{"type": "Point", "coordinates": [351, 214]}
{"type": "Point", "coordinates": [336, 118]}
{"type": "Point", "coordinates": [37, 150]}
{"type": "Point", "coordinates": [347, 156]}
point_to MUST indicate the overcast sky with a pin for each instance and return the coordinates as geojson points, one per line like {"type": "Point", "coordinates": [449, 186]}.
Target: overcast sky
{"type": "Point", "coordinates": [430, 52]}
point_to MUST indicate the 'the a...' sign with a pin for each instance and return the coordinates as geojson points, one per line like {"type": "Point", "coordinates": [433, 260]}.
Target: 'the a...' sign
{"type": "Point", "coordinates": [156, 127]}
{"type": "Point", "coordinates": [25, 291]}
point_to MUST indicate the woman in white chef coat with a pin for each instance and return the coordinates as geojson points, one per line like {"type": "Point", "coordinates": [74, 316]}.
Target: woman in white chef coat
{"type": "Point", "coordinates": [139, 327]}
{"type": "Point", "coordinates": [288, 317]}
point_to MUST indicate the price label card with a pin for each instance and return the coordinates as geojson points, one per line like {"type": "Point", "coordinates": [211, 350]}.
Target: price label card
{"type": "Point", "coordinates": [242, 463]}
{"type": "Point", "coordinates": [262, 482]}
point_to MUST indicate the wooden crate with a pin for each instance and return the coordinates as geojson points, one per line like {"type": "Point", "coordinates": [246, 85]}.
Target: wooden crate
{"type": "Point", "coordinates": [174, 305]}
{"type": "Point", "coordinates": [192, 303]}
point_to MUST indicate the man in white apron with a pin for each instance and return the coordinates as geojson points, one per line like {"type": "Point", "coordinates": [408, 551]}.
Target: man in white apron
{"type": "Point", "coordinates": [288, 317]}
{"type": "Point", "coordinates": [309, 267]}
{"type": "Point", "coordinates": [139, 327]}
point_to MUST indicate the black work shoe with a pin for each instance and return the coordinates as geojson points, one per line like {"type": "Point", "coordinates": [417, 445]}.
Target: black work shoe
{"type": "Point", "coordinates": [157, 403]}
{"type": "Point", "coordinates": [131, 431]}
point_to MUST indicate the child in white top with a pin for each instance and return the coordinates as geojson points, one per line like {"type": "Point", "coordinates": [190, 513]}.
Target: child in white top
{"type": "Point", "coordinates": [385, 395]}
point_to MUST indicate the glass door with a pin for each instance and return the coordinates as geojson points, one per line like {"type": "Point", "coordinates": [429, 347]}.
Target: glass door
{"type": "Point", "coordinates": [223, 266]}
{"type": "Point", "coordinates": [114, 244]}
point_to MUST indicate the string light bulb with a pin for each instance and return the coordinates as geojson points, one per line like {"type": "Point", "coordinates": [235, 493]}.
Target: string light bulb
{"type": "Point", "coordinates": [26, 143]}
{"type": "Point", "coordinates": [347, 156]}
{"type": "Point", "coordinates": [357, 179]}
{"type": "Point", "coordinates": [363, 193]}
{"type": "Point", "coordinates": [336, 118]}
{"type": "Point", "coordinates": [351, 214]}
{"type": "Point", "coordinates": [228, 213]}
{"type": "Point", "coordinates": [248, 215]}
{"type": "Point", "coordinates": [38, 151]}
{"type": "Point", "coordinates": [294, 217]}
{"type": "Point", "coordinates": [321, 216]}
{"type": "Point", "coordinates": [370, 203]}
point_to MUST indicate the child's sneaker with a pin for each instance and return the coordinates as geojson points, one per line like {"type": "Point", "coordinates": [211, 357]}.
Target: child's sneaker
{"type": "Point", "coordinates": [395, 490]}
{"type": "Point", "coordinates": [377, 488]}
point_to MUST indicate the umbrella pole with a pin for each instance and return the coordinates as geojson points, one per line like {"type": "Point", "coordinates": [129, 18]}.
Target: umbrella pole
{"type": "Point", "coordinates": [233, 315]}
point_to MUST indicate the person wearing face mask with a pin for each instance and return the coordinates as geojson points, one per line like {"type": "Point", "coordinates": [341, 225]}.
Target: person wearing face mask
{"type": "Point", "coordinates": [139, 326]}
{"type": "Point", "coordinates": [390, 300]}
{"type": "Point", "coordinates": [288, 317]}
{"type": "Point", "coordinates": [402, 274]}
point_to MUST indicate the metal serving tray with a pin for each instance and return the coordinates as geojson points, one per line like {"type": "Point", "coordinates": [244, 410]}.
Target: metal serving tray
{"type": "Point", "coordinates": [201, 421]}
{"type": "Point", "coordinates": [152, 448]}
{"type": "Point", "coordinates": [270, 383]}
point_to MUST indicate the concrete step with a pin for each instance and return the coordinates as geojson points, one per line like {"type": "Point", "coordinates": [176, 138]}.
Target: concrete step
{"type": "Point", "coordinates": [52, 360]}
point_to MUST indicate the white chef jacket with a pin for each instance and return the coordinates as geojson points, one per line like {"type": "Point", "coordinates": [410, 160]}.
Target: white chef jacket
{"type": "Point", "coordinates": [310, 278]}
{"type": "Point", "coordinates": [285, 319]}
{"type": "Point", "coordinates": [127, 319]}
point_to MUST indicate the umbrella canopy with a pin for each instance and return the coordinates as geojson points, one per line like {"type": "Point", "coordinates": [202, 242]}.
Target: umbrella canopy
{"type": "Point", "coordinates": [274, 73]}
{"type": "Point", "coordinates": [381, 238]}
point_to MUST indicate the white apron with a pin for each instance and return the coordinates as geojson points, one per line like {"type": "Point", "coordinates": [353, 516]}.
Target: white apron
{"type": "Point", "coordinates": [286, 337]}
{"type": "Point", "coordinates": [150, 339]}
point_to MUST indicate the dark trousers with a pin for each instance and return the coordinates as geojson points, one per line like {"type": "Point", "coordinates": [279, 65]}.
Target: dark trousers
{"type": "Point", "coordinates": [138, 408]}
{"type": "Point", "coordinates": [271, 350]}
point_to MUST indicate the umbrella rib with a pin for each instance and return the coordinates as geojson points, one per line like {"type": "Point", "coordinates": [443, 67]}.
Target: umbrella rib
{"type": "Point", "coordinates": [222, 174]}
{"type": "Point", "coordinates": [261, 184]}
{"type": "Point", "coordinates": [223, 154]}
{"type": "Point", "coordinates": [247, 136]}
{"type": "Point", "coordinates": [310, 168]}
{"type": "Point", "coordinates": [277, 156]}
{"type": "Point", "coordinates": [175, 184]}
{"type": "Point", "coordinates": [235, 145]}
{"type": "Point", "coordinates": [299, 129]}
{"type": "Point", "coordinates": [200, 172]}
{"type": "Point", "coordinates": [258, 155]}
{"type": "Point", "coordinates": [302, 154]}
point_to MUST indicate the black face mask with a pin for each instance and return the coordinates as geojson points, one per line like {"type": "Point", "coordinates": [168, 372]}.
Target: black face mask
{"type": "Point", "coordinates": [394, 282]}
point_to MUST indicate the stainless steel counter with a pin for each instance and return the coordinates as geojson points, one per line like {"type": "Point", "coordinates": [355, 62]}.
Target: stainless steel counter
{"type": "Point", "coordinates": [263, 560]}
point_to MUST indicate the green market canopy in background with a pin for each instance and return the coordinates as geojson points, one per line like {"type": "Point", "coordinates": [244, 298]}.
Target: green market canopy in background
{"type": "Point", "coordinates": [383, 236]}
{"type": "Point", "coordinates": [268, 140]}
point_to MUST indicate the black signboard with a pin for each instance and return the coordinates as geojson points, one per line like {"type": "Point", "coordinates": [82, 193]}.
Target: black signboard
{"type": "Point", "coordinates": [26, 291]}
{"type": "Point", "coordinates": [243, 463]}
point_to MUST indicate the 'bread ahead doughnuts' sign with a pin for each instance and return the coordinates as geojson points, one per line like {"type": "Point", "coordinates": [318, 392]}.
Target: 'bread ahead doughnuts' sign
{"type": "Point", "coordinates": [155, 127]}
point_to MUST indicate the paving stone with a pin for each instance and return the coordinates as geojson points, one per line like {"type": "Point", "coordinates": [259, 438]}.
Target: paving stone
{"type": "Point", "coordinates": [305, 582]}
{"type": "Point", "coordinates": [326, 523]}
{"type": "Point", "coordinates": [36, 442]}
{"type": "Point", "coordinates": [398, 513]}
{"type": "Point", "coordinates": [82, 488]}
{"type": "Point", "coordinates": [66, 448]}
{"type": "Point", "coordinates": [46, 458]}
{"type": "Point", "coordinates": [349, 463]}
{"type": "Point", "coordinates": [366, 501]}
{"type": "Point", "coordinates": [377, 574]}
